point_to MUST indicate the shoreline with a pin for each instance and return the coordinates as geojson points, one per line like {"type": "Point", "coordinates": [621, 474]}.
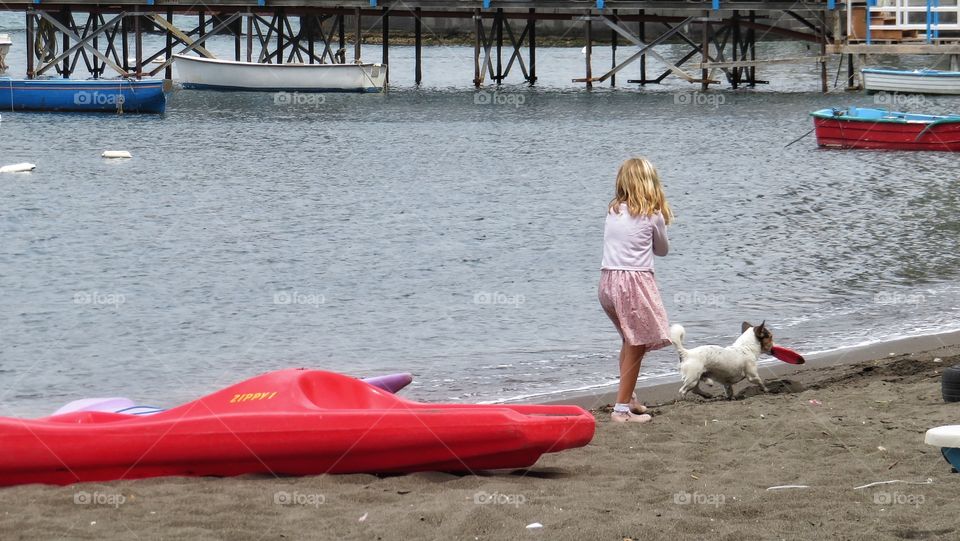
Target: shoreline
{"type": "Point", "coordinates": [837, 453]}
{"type": "Point", "coordinates": [663, 388]}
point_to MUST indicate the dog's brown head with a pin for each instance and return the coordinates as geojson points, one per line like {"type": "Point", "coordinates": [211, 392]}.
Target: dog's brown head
{"type": "Point", "coordinates": [764, 336]}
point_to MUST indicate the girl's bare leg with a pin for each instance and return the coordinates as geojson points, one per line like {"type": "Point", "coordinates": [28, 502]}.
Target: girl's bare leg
{"type": "Point", "coordinates": [630, 359]}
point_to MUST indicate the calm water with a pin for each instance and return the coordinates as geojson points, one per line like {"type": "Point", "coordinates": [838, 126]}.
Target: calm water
{"type": "Point", "coordinates": [419, 231]}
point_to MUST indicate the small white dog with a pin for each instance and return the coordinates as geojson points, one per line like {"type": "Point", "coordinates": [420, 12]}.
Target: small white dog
{"type": "Point", "coordinates": [726, 366]}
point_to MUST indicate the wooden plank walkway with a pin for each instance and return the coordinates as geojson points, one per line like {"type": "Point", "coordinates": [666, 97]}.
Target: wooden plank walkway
{"type": "Point", "coordinates": [579, 6]}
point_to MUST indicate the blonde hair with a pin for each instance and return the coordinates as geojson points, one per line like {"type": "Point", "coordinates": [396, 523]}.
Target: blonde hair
{"type": "Point", "coordinates": [638, 185]}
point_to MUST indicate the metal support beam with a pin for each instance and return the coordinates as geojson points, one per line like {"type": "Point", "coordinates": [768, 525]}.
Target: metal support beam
{"type": "Point", "coordinates": [124, 44]}
{"type": "Point", "coordinates": [705, 51]}
{"type": "Point", "coordinates": [589, 52]}
{"type": "Point", "coordinates": [94, 23]}
{"type": "Point", "coordinates": [643, 59]}
{"type": "Point", "coordinates": [237, 38]}
{"type": "Point", "coordinates": [357, 33]}
{"type": "Point", "coordinates": [647, 48]}
{"type": "Point", "coordinates": [478, 31]}
{"type": "Point", "coordinates": [824, 81]}
{"type": "Point", "coordinates": [532, 25]}
{"type": "Point", "coordinates": [173, 31]}
{"type": "Point", "coordinates": [385, 26]}
{"type": "Point", "coordinates": [280, 16]}
{"type": "Point", "coordinates": [139, 37]}
{"type": "Point", "coordinates": [342, 37]}
{"type": "Point", "coordinates": [85, 42]}
{"type": "Point", "coordinates": [30, 47]}
{"type": "Point", "coordinates": [192, 46]}
{"type": "Point", "coordinates": [168, 50]}
{"type": "Point", "coordinates": [67, 18]}
{"type": "Point", "coordinates": [517, 44]}
{"type": "Point", "coordinates": [250, 19]}
{"type": "Point", "coordinates": [417, 46]}
{"type": "Point", "coordinates": [67, 34]}
{"type": "Point", "coordinates": [498, 33]}
{"type": "Point", "coordinates": [613, 51]}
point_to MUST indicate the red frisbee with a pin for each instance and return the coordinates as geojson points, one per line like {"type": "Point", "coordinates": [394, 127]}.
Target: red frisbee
{"type": "Point", "coordinates": [787, 355]}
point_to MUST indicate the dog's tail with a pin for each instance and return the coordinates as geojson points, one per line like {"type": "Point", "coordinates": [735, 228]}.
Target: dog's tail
{"type": "Point", "coordinates": [676, 337]}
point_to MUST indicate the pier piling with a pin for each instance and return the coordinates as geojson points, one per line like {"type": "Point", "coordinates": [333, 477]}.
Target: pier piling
{"type": "Point", "coordinates": [532, 50]}
{"type": "Point", "coordinates": [30, 42]}
{"type": "Point", "coordinates": [385, 26]}
{"type": "Point", "coordinates": [705, 52]}
{"type": "Point", "coordinates": [139, 43]}
{"type": "Point", "coordinates": [589, 52]}
{"type": "Point", "coordinates": [168, 51]}
{"type": "Point", "coordinates": [357, 39]}
{"type": "Point", "coordinates": [613, 50]}
{"type": "Point", "coordinates": [478, 31]}
{"type": "Point", "coordinates": [417, 45]}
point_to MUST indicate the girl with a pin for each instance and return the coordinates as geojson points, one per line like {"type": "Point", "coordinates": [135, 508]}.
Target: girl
{"type": "Point", "coordinates": [635, 231]}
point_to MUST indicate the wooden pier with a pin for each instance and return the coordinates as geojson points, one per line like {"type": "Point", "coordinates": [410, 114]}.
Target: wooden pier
{"type": "Point", "coordinates": [720, 36]}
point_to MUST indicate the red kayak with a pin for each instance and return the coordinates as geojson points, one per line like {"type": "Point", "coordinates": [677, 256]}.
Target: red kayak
{"type": "Point", "coordinates": [859, 127]}
{"type": "Point", "coordinates": [288, 422]}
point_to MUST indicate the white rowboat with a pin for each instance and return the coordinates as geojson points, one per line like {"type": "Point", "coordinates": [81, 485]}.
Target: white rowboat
{"type": "Point", "coordinates": [911, 82]}
{"type": "Point", "coordinates": [215, 74]}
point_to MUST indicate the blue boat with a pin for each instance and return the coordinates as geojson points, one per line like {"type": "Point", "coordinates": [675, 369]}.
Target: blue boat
{"type": "Point", "coordinates": [93, 95]}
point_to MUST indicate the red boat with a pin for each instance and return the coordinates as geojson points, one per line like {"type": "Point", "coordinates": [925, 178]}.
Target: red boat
{"type": "Point", "coordinates": [289, 422]}
{"type": "Point", "coordinates": [879, 129]}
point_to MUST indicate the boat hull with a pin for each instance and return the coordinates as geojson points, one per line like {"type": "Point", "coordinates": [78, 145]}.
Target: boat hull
{"type": "Point", "coordinates": [839, 131]}
{"type": "Point", "coordinates": [289, 422]}
{"type": "Point", "coordinates": [911, 82]}
{"type": "Point", "coordinates": [97, 95]}
{"type": "Point", "coordinates": [214, 74]}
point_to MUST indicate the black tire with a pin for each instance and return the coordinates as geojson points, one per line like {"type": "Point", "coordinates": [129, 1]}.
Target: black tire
{"type": "Point", "coordinates": [950, 384]}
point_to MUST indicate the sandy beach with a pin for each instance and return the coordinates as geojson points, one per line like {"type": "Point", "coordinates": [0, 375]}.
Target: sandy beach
{"type": "Point", "coordinates": [702, 469]}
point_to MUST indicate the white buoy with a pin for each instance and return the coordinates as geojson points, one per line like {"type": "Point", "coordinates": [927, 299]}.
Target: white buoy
{"type": "Point", "coordinates": [115, 154]}
{"type": "Point", "coordinates": [18, 168]}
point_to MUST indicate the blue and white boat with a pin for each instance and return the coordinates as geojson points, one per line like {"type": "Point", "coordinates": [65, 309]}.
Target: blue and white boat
{"type": "Point", "coordinates": [947, 438]}
{"type": "Point", "coordinates": [93, 95]}
{"type": "Point", "coordinates": [922, 81]}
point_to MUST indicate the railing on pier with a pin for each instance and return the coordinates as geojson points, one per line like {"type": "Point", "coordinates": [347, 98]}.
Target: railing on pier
{"type": "Point", "coordinates": [902, 20]}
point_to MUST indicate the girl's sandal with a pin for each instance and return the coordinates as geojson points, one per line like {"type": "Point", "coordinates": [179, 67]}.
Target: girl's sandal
{"type": "Point", "coordinates": [627, 417]}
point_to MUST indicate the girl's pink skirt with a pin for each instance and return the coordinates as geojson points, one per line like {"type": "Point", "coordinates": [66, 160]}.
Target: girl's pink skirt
{"type": "Point", "coordinates": [632, 301]}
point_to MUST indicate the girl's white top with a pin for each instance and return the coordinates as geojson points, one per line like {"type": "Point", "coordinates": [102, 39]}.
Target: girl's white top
{"type": "Point", "coordinates": [630, 242]}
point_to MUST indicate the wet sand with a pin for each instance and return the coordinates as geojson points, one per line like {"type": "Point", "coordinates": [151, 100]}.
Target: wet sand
{"type": "Point", "coordinates": [701, 470]}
